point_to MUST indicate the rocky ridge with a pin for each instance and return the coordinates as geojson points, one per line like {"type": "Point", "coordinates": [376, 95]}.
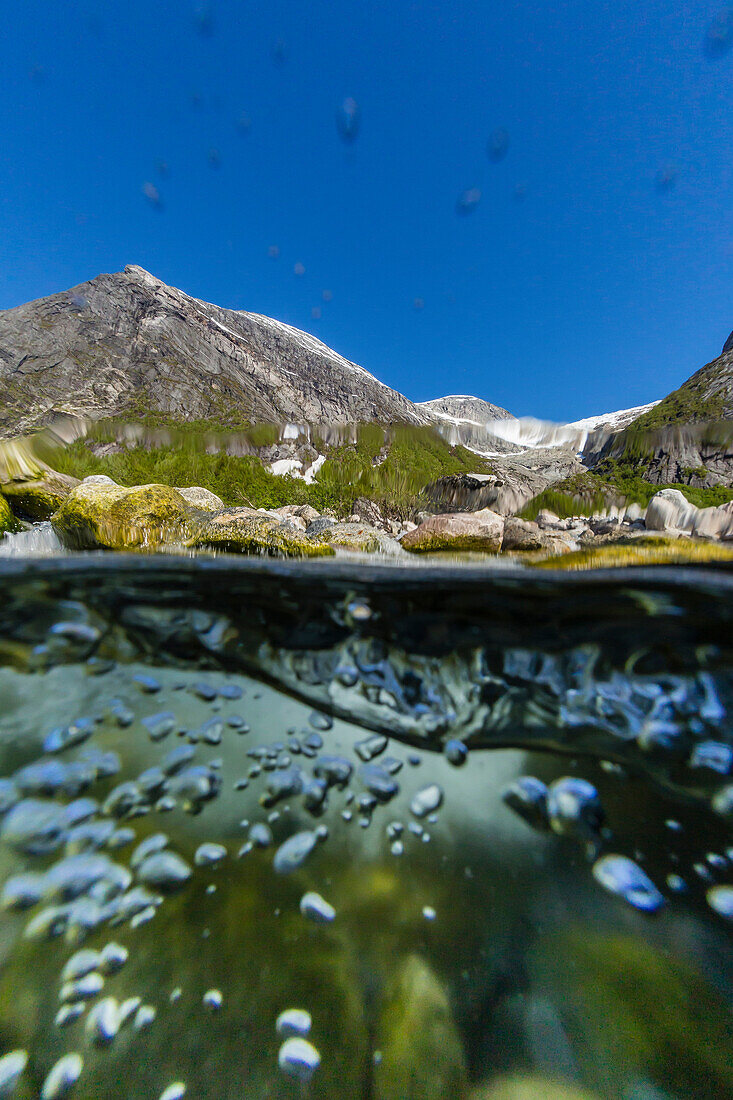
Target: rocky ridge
{"type": "Point", "coordinates": [126, 344]}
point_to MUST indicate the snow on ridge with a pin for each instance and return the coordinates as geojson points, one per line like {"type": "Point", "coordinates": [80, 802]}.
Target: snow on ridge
{"type": "Point", "coordinates": [311, 343]}
{"type": "Point", "coordinates": [620, 418]}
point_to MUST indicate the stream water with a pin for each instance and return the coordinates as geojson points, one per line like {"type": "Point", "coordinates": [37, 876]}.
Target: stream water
{"type": "Point", "coordinates": [322, 830]}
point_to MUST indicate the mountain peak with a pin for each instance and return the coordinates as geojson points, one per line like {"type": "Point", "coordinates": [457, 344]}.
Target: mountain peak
{"type": "Point", "coordinates": [127, 342]}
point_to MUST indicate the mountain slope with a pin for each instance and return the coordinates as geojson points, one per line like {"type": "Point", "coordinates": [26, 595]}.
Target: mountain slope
{"type": "Point", "coordinates": [127, 344]}
{"type": "Point", "coordinates": [706, 395]}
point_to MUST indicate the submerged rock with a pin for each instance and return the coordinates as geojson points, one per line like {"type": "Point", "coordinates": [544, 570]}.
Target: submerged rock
{"type": "Point", "coordinates": [40, 498]}
{"type": "Point", "coordinates": [481, 531]}
{"type": "Point", "coordinates": [421, 1053]}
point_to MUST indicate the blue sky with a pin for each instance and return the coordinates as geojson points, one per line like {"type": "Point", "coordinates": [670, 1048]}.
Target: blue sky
{"type": "Point", "coordinates": [594, 273]}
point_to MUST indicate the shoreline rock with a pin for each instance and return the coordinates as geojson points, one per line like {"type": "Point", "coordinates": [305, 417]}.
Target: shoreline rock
{"type": "Point", "coordinates": [482, 531]}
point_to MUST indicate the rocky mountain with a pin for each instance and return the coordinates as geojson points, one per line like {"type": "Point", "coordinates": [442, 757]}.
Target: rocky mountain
{"type": "Point", "coordinates": [728, 345]}
{"type": "Point", "coordinates": [464, 409]}
{"type": "Point", "coordinates": [126, 344]}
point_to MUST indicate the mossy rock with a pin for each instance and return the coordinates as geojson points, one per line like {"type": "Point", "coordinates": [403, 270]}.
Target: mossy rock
{"type": "Point", "coordinates": [98, 514]}
{"type": "Point", "coordinates": [640, 551]}
{"type": "Point", "coordinates": [246, 531]}
{"type": "Point", "coordinates": [7, 519]}
{"type": "Point", "coordinates": [39, 498]}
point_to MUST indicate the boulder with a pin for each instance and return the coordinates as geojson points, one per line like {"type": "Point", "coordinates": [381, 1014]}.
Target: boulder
{"type": "Point", "coordinates": [201, 498]}
{"type": "Point", "coordinates": [98, 514]}
{"type": "Point", "coordinates": [352, 535]}
{"type": "Point", "coordinates": [361, 537]}
{"type": "Point", "coordinates": [670, 510]}
{"type": "Point", "coordinates": [481, 531]}
{"type": "Point", "coordinates": [39, 498]}
{"type": "Point", "coordinates": [247, 531]}
{"type": "Point", "coordinates": [546, 518]}
{"type": "Point", "coordinates": [714, 523]}
{"type": "Point", "coordinates": [523, 535]}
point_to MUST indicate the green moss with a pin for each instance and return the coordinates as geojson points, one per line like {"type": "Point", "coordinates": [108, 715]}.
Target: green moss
{"type": "Point", "coordinates": [641, 551]}
{"type": "Point", "coordinates": [7, 519]}
{"type": "Point", "coordinates": [389, 465]}
{"type": "Point", "coordinates": [690, 404]}
{"type": "Point", "coordinates": [40, 498]}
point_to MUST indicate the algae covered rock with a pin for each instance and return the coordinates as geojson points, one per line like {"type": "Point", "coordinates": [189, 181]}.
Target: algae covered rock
{"type": "Point", "coordinates": [7, 520]}
{"type": "Point", "coordinates": [246, 531]}
{"type": "Point", "coordinates": [39, 498]}
{"type": "Point", "coordinates": [643, 550]}
{"type": "Point", "coordinates": [421, 1053]}
{"type": "Point", "coordinates": [98, 514]}
{"type": "Point", "coordinates": [482, 530]}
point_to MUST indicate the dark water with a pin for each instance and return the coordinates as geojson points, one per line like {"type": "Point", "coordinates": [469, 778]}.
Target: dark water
{"type": "Point", "coordinates": [237, 790]}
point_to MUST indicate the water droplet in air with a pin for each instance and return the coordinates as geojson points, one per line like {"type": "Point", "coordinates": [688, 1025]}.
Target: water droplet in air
{"type": "Point", "coordinates": [293, 852]}
{"type": "Point", "coordinates": [348, 120]}
{"type": "Point", "coordinates": [497, 146]}
{"type": "Point", "coordinates": [719, 35]}
{"type": "Point", "coordinates": [468, 201]}
{"type": "Point", "coordinates": [11, 1067]}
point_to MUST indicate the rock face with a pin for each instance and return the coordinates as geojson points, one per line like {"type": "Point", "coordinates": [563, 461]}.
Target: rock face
{"type": "Point", "coordinates": [126, 343]}
{"type": "Point", "coordinates": [471, 409]}
{"type": "Point", "coordinates": [481, 531]}
{"type": "Point", "coordinates": [515, 480]}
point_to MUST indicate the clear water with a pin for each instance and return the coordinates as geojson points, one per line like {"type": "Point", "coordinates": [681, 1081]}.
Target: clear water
{"type": "Point", "coordinates": [546, 916]}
